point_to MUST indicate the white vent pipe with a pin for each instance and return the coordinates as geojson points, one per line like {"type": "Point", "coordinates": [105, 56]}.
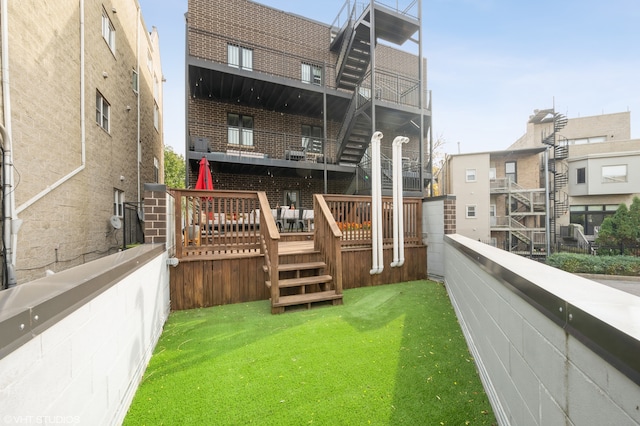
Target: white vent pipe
{"type": "Point", "coordinates": [376, 205]}
{"type": "Point", "coordinates": [398, 213]}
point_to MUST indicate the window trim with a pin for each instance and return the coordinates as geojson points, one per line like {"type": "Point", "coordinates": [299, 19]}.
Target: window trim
{"type": "Point", "coordinates": [244, 134]}
{"type": "Point", "coordinates": [611, 178]}
{"type": "Point", "coordinates": [108, 31]}
{"type": "Point", "coordinates": [118, 202]}
{"type": "Point", "coordinates": [581, 175]}
{"type": "Point", "coordinates": [514, 173]}
{"type": "Point", "coordinates": [243, 54]}
{"type": "Point", "coordinates": [467, 211]}
{"type": "Point", "coordinates": [468, 177]}
{"type": "Point", "coordinates": [103, 105]}
{"type": "Point", "coordinates": [311, 74]}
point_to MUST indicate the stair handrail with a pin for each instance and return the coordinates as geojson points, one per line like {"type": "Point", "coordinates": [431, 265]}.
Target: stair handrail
{"type": "Point", "coordinates": [270, 237]}
{"type": "Point", "coordinates": [327, 240]}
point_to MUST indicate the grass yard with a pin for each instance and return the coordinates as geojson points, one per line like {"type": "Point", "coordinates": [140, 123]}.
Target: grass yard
{"type": "Point", "coordinates": [390, 355]}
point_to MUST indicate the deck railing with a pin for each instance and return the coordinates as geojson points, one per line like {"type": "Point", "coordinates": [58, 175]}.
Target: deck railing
{"type": "Point", "coordinates": [327, 237]}
{"type": "Point", "coordinates": [219, 222]}
{"type": "Point", "coordinates": [353, 216]}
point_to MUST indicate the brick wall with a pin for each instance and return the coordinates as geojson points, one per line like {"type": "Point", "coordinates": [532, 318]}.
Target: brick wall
{"type": "Point", "coordinates": [155, 213]}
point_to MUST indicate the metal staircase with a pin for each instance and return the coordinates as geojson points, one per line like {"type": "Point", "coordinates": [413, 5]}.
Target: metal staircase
{"type": "Point", "coordinates": [560, 170]}
{"type": "Point", "coordinates": [354, 39]}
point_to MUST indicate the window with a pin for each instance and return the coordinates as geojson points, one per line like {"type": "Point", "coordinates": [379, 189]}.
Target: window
{"type": "Point", "coordinates": [312, 138]}
{"type": "Point", "coordinates": [102, 111]}
{"type": "Point", "coordinates": [108, 31]}
{"type": "Point", "coordinates": [156, 169]}
{"type": "Point", "coordinates": [581, 175]}
{"type": "Point", "coordinates": [118, 202]}
{"type": "Point", "coordinates": [156, 87]}
{"type": "Point", "coordinates": [240, 57]}
{"type": "Point", "coordinates": [510, 171]}
{"type": "Point", "coordinates": [292, 198]}
{"type": "Point", "coordinates": [592, 139]}
{"type": "Point", "coordinates": [492, 215]}
{"type": "Point", "coordinates": [471, 175]}
{"type": "Point", "coordinates": [492, 173]}
{"type": "Point", "coordinates": [471, 211]}
{"type": "Point", "coordinates": [240, 130]}
{"type": "Point", "coordinates": [311, 74]}
{"type": "Point", "coordinates": [135, 85]}
{"type": "Point", "coordinates": [156, 116]}
{"type": "Point", "coordinates": [614, 174]}
{"type": "Point", "coordinates": [149, 61]}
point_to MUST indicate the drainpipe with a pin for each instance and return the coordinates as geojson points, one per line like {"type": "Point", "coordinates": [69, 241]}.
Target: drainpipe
{"type": "Point", "coordinates": [138, 103]}
{"type": "Point", "coordinates": [68, 176]}
{"type": "Point", "coordinates": [10, 222]}
{"type": "Point", "coordinates": [376, 206]}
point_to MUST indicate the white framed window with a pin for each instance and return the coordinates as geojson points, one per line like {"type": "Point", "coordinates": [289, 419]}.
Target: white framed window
{"type": "Point", "coordinates": [614, 174]}
{"type": "Point", "coordinates": [239, 130]}
{"type": "Point", "coordinates": [135, 82]}
{"type": "Point", "coordinates": [108, 31]}
{"type": "Point", "coordinates": [492, 173]}
{"type": "Point", "coordinates": [156, 169]}
{"type": "Point", "coordinates": [156, 116]}
{"type": "Point", "coordinates": [470, 175]}
{"type": "Point", "coordinates": [311, 74]}
{"type": "Point", "coordinates": [511, 171]}
{"type": "Point", "coordinates": [240, 57]}
{"type": "Point", "coordinates": [118, 202]}
{"type": "Point", "coordinates": [471, 211]}
{"type": "Point", "coordinates": [103, 111]}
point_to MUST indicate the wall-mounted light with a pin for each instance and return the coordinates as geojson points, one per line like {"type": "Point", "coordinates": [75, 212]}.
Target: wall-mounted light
{"type": "Point", "coordinates": [104, 74]}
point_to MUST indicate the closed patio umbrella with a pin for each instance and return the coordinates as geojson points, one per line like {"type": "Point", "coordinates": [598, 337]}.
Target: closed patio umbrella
{"type": "Point", "coordinates": [204, 181]}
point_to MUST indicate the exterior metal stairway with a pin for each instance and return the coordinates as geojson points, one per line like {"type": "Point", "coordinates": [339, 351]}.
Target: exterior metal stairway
{"type": "Point", "coordinates": [558, 166]}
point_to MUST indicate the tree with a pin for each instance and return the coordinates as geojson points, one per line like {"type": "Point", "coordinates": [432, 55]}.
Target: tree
{"type": "Point", "coordinates": [174, 169]}
{"type": "Point", "coordinates": [623, 228]}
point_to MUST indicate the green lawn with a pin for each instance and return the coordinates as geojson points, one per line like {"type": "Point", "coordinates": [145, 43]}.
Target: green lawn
{"type": "Point", "coordinates": [390, 355]}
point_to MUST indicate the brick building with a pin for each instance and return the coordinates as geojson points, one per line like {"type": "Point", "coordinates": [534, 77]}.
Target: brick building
{"type": "Point", "coordinates": [561, 172]}
{"type": "Point", "coordinates": [83, 115]}
{"type": "Point", "coordinates": [283, 104]}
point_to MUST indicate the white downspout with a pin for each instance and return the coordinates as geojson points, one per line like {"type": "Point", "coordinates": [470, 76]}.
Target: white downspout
{"type": "Point", "coordinates": [68, 176]}
{"type": "Point", "coordinates": [11, 222]}
{"type": "Point", "coordinates": [376, 206]}
{"type": "Point", "coordinates": [138, 103]}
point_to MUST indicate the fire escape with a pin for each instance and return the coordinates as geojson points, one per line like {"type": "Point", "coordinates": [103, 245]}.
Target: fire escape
{"type": "Point", "coordinates": [380, 99]}
{"type": "Point", "coordinates": [559, 169]}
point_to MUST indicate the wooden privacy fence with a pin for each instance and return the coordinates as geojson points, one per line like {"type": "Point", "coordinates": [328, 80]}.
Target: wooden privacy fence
{"type": "Point", "coordinates": [353, 216]}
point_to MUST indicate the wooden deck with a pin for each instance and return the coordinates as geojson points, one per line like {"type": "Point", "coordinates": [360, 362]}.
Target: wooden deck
{"type": "Point", "coordinates": [260, 263]}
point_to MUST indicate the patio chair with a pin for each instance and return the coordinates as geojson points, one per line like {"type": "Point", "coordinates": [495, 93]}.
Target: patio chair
{"type": "Point", "coordinates": [297, 222]}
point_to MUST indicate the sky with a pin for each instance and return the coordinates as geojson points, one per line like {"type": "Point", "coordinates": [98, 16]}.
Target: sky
{"type": "Point", "coordinates": [491, 63]}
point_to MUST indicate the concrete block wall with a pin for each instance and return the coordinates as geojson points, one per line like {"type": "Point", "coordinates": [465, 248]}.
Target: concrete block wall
{"type": "Point", "coordinates": [534, 368]}
{"type": "Point", "coordinates": [85, 368]}
{"type": "Point", "coordinates": [438, 219]}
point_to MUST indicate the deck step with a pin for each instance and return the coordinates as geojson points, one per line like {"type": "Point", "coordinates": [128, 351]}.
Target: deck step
{"type": "Point", "coordinates": [301, 299]}
{"type": "Point", "coordinates": [297, 282]}
{"type": "Point", "coordinates": [301, 266]}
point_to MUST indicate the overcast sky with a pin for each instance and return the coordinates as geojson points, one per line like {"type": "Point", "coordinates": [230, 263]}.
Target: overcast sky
{"type": "Point", "coordinates": [490, 62]}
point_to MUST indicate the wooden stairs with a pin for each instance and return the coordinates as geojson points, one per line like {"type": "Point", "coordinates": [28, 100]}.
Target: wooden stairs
{"type": "Point", "coordinates": [302, 282]}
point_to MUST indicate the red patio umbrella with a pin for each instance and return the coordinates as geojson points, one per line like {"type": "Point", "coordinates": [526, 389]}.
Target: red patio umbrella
{"type": "Point", "coordinates": [204, 181]}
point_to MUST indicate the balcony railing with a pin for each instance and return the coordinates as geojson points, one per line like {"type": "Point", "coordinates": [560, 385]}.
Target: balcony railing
{"type": "Point", "coordinates": [268, 144]}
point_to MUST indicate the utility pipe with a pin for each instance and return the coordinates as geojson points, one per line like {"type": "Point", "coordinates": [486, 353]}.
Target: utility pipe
{"type": "Point", "coordinates": [10, 222]}
{"type": "Point", "coordinates": [376, 206]}
{"type": "Point", "coordinates": [398, 214]}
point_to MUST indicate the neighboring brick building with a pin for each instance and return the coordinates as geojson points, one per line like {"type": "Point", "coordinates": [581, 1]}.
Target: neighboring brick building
{"type": "Point", "coordinates": [282, 104]}
{"type": "Point", "coordinates": [85, 122]}
{"type": "Point", "coordinates": [593, 166]}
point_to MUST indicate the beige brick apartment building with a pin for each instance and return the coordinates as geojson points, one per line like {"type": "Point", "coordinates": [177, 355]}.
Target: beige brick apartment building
{"type": "Point", "coordinates": [283, 104]}
{"type": "Point", "coordinates": [560, 172]}
{"type": "Point", "coordinates": [83, 112]}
